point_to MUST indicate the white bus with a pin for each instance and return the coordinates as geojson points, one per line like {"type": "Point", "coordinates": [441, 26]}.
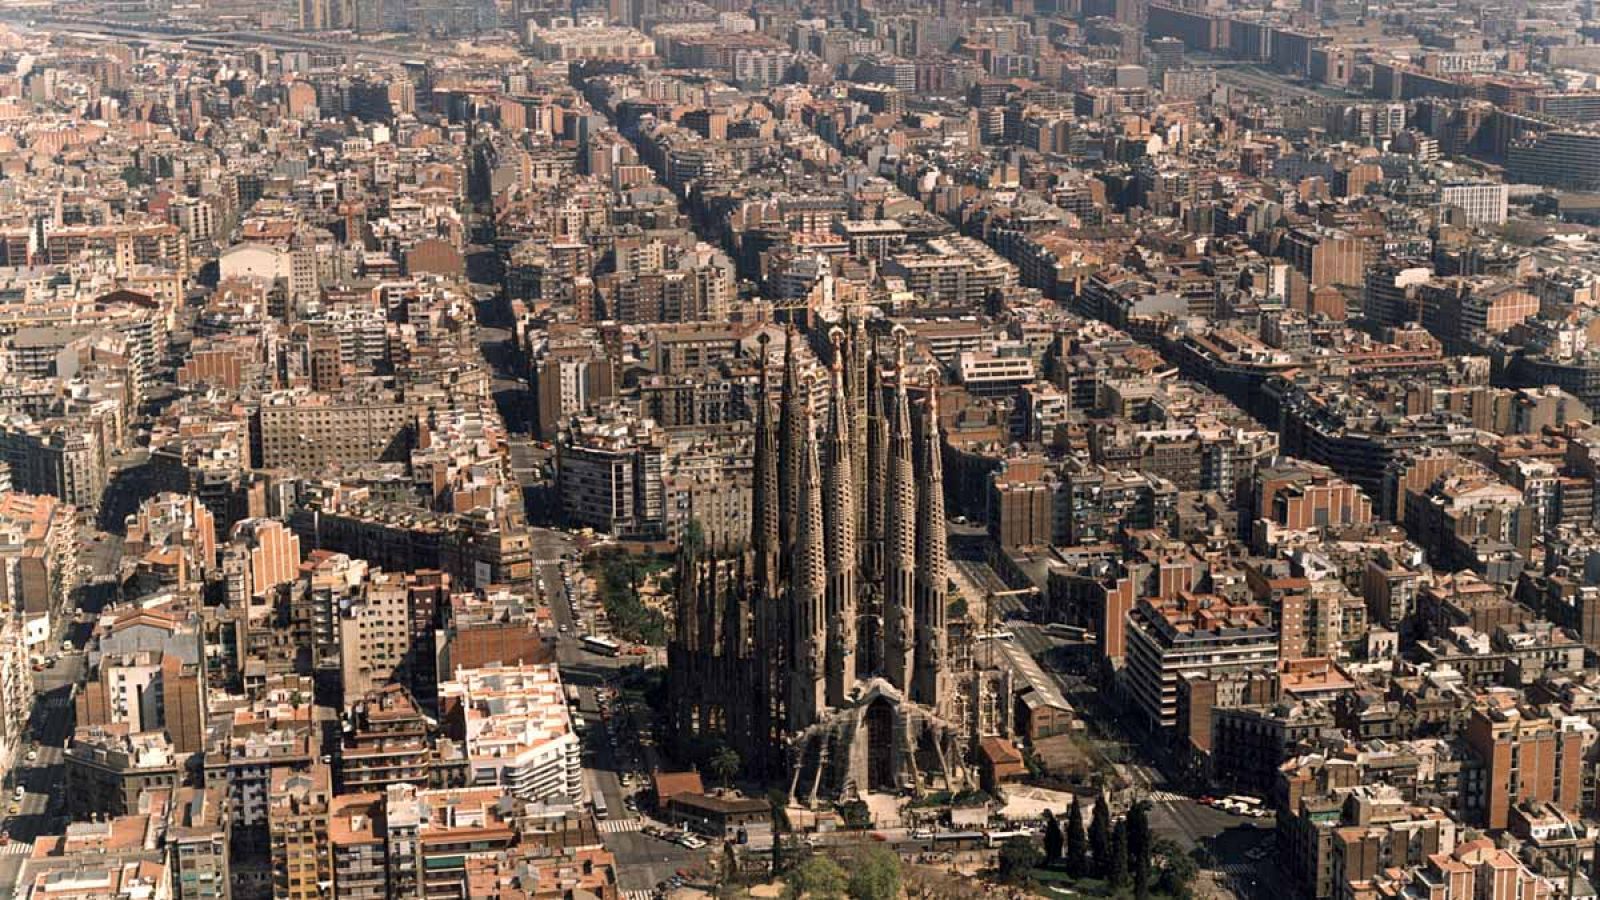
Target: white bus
{"type": "Point", "coordinates": [604, 646]}
{"type": "Point", "coordinates": [1245, 806]}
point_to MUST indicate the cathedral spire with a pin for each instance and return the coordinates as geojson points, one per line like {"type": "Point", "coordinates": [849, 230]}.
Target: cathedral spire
{"type": "Point", "coordinates": [930, 685]}
{"type": "Point", "coordinates": [900, 534]}
{"type": "Point", "coordinates": [808, 586]}
{"type": "Point", "coordinates": [765, 535]}
{"type": "Point", "coordinates": [839, 512]}
{"type": "Point", "coordinates": [771, 632]}
{"type": "Point", "coordinates": [790, 414]}
{"type": "Point", "coordinates": [875, 475]}
{"type": "Point", "coordinates": [855, 380]}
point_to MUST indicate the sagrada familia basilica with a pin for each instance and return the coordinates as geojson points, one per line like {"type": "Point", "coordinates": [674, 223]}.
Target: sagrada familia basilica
{"type": "Point", "coordinates": [821, 649]}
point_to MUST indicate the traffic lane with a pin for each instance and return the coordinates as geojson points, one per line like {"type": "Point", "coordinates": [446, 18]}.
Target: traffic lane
{"type": "Point", "coordinates": [40, 805]}
{"type": "Point", "coordinates": [644, 861]}
{"type": "Point", "coordinates": [1227, 837]}
{"type": "Point", "coordinates": [604, 772]}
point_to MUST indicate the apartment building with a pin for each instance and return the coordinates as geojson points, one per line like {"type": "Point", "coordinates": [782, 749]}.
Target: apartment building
{"type": "Point", "coordinates": [147, 690]}
{"type": "Point", "coordinates": [609, 476]}
{"type": "Point", "coordinates": [1524, 754]}
{"type": "Point", "coordinates": [517, 729]}
{"type": "Point", "coordinates": [108, 766]}
{"type": "Point", "coordinates": [198, 834]}
{"type": "Point", "coordinates": [356, 842]}
{"type": "Point", "coordinates": [312, 431]}
{"type": "Point", "coordinates": [297, 822]}
{"type": "Point", "coordinates": [387, 742]}
{"type": "Point", "coordinates": [58, 457]}
{"type": "Point", "coordinates": [1168, 640]}
{"type": "Point", "coordinates": [1481, 202]}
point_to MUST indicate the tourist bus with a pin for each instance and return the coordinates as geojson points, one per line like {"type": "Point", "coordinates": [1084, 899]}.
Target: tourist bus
{"type": "Point", "coordinates": [958, 840]}
{"type": "Point", "coordinates": [604, 646]}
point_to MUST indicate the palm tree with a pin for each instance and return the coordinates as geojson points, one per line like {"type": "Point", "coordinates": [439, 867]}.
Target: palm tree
{"type": "Point", "coordinates": [725, 764]}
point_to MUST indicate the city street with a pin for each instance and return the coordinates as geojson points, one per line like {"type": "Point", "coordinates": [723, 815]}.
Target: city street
{"type": "Point", "coordinates": [510, 390]}
{"type": "Point", "coordinates": [644, 861]}
{"type": "Point", "coordinates": [613, 747]}
{"type": "Point", "coordinates": [44, 779]}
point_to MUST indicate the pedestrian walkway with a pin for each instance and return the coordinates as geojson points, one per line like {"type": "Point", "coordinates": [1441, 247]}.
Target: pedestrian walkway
{"type": "Point", "coordinates": [638, 895]}
{"type": "Point", "coordinates": [1236, 869]}
{"type": "Point", "coordinates": [1167, 797]}
{"type": "Point", "coordinates": [16, 848]}
{"type": "Point", "coordinates": [618, 826]}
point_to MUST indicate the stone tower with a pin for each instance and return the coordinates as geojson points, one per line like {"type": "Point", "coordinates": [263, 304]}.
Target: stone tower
{"type": "Point", "coordinates": [930, 683]}
{"type": "Point", "coordinates": [808, 587]}
{"type": "Point", "coordinates": [839, 519]}
{"type": "Point", "coordinates": [899, 537]}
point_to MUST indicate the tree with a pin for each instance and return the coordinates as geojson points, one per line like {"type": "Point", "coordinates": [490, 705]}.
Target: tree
{"type": "Point", "coordinates": [780, 824]}
{"type": "Point", "coordinates": [1053, 838]}
{"type": "Point", "coordinates": [1139, 848]}
{"type": "Point", "coordinates": [1019, 856]}
{"type": "Point", "coordinates": [725, 764]}
{"type": "Point", "coordinates": [1077, 843]}
{"type": "Point", "coordinates": [875, 875]}
{"type": "Point", "coordinates": [1178, 869]}
{"type": "Point", "coordinates": [1100, 837]}
{"type": "Point", "coordinates": [1117, 871]}
{"type": "Point", "coordinates": [818, 878]}
{"type": "Point", "coordinates": [694, 535]}
{"type": "Point", "coordinates": [730, 864]}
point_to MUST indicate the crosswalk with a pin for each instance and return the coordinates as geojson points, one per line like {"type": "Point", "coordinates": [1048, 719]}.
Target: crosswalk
{"type": "Point", "coordinates": [1236, 868]}
{"type": "Point", "coordinates": [16, 848]}
{"type": "Point", "coordinates": [547, 562]}
{"type": "Point", "coordinates": [638, 895]}
{"type": "Point", "coordinates": [1166, 797]}
{"type": "Point", "coordinates": [618, 826]}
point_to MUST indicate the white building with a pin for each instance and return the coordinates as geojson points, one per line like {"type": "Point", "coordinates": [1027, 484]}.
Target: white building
{"type": "Point", "coordinates": [1483, 202]}
{"type": "Point", "coordinates": [519, 732]}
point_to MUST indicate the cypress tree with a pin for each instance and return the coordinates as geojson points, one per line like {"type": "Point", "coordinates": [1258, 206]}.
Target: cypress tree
{"type": "Point", "coordinates": [1100, 837]}
{"type": "Point", "coordinates": [1118, 874]}
{"type": "Point", "coordinates": [1052, 839]}
{"type": "Point", "coordinates": [1077, 843]}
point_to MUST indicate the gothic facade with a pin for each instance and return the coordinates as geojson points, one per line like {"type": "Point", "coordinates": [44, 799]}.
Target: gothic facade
{"type": "Point", "coordinates": [820, 649]}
